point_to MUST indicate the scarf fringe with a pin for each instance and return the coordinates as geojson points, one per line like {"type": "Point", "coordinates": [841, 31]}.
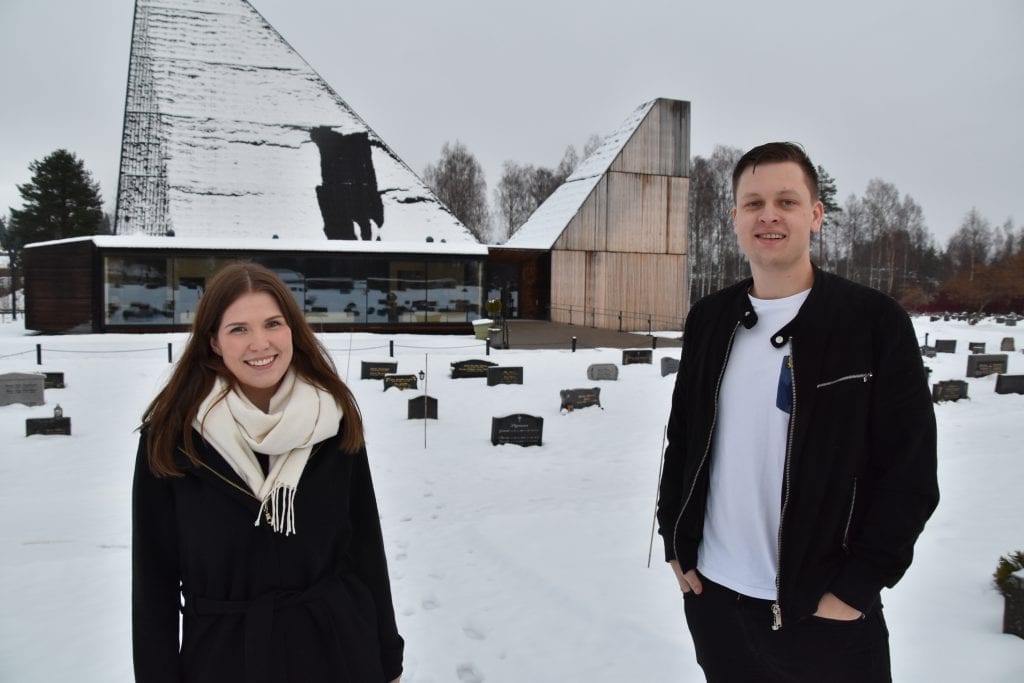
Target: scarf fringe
{"type": "Point", "coordinates": [282, 509]}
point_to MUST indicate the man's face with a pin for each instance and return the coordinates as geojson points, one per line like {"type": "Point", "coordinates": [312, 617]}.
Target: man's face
{"type": "Point", "coordinates": [774, 217]}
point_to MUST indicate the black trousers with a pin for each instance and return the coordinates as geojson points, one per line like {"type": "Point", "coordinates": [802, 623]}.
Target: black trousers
{"type": "Point", "coordinates": [735, 643]}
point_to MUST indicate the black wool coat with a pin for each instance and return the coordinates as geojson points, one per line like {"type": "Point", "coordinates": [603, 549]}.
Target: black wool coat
{"type": "Point", "coordinates": [312, 607]}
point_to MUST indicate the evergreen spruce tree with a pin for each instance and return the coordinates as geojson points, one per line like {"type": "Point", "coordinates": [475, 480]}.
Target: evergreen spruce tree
{"type": "Point", "coordinates": [62, 200]}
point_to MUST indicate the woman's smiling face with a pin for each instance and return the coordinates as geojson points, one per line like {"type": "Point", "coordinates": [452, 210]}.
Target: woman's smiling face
{"type": "Point", "coordinates": [255, 342]}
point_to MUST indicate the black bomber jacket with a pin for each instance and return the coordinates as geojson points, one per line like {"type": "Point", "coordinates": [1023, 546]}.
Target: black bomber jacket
{"type": "Point", "coordinates": [860, 474]}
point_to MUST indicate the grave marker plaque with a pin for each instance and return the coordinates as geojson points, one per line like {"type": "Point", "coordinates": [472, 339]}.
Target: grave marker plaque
{"type": "Point", "coordinates": [519, 429]}
{"type": "Point", "coordinates": [980, 365]}
{"type": "Point", "coordinates": [53, 380]}
{"type": "Point", "coordinates": [1008, 344]}
{"type": "Point", "coordinates": [603, 371]}
{"type": "Point", "coordinates": [945, 346]}
{"type": "Point", "coordinates": [631, 356]}
{"type": "Point", "coordinates": [423, 408]}
{"type": "Point", "coordinates": [953, 390]}
{"type": "Point", "coordinates": [1010, 384]}
{"type": "Point", "coordinates": [574, 399]}
{"type": "Point", "coordinates": [372, 370]}
{"type": "Point", "coordinates": [976, 347]}
{"type": "Point", "coordinates": [48, 425]}
{"type": "Point", "coordinates": [928, 351]}
{"type": "Point", "coordinates": [471, 368]}
{"type": "Point", "coordinates": [22, 387]}
{"type": "Point", "coordinates": [401, 381]}
{"type": "Point", "coordinates": [669, 366]}
{"type": "Point", "coordinates": [500, 374]}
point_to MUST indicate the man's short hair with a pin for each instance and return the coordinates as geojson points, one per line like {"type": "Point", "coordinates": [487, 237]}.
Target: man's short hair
{"type": "Point", "coordinates": [776, 153]}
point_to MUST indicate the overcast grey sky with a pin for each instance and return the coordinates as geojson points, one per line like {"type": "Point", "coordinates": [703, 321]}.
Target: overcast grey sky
{"type": "Point", "coordinates": [926, 94]}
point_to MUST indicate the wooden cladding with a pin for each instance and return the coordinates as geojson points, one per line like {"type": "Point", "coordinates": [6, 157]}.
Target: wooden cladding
{"type": "Point", "coordinates": [661, 144]}
{"type": "Point", "coordinates": [592, 288]}
{"type": "Point", "coordinates": [629, 212]}
{"type": "Point", "coordinates": [59, 291]}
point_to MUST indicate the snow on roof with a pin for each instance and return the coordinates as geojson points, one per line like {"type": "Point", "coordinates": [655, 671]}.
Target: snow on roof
{"type": "Point", "coordinates": [290, 245]}
{"type": "Point", "coordinates": [547, 223]}
{"type": "Point", "coordinates": [217, 137]}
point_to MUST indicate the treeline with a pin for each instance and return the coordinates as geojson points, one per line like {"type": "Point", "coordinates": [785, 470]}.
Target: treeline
{"type": "Point", "coordinates": [879, 239]}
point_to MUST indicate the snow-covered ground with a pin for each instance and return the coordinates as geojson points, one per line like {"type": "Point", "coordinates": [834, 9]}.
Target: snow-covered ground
{"type": "Point", "coordinates": [508, 564]}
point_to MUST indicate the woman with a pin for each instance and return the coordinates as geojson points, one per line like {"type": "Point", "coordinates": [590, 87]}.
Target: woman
{"type": "Point", "coordinates": [252, 500]}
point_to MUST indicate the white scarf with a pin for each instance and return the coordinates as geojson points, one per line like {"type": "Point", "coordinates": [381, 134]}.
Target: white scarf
{"type": "Point", "coordinates": [300, 416]}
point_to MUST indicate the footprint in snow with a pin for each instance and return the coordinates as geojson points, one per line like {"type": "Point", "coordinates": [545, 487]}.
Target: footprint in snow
{"type": "Point", "coordinates": [430, 602]}
{"type": "Point", "coordinates": [468, 673]}
{"type": "Point", "coordinates": [474, 633]}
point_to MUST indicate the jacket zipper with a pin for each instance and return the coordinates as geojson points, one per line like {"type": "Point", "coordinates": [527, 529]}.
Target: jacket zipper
{"type": "Point", "coordinates": [777, 605]}
{"type": "Point", "coordinates": [707, 447]}
{"type": "Point", "coordinates": [864, 376]}
{"type": "Point", "coordinates": [849, 518]}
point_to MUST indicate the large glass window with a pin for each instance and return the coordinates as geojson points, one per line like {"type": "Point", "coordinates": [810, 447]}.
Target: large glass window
{"type": "Point", "coordinates": [137, 291]}
{"type": "Point", "coordinates": [330, 289]}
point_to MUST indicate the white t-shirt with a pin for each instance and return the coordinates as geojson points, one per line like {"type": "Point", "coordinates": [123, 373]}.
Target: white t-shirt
{"type": "Point", "coordinates": [748, 455]}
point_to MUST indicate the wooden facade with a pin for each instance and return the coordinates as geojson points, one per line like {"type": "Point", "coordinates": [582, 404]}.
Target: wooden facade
{"type": "Point", "coordinates": [61, 287]}
{"type": "Point", "coordinates": [621, 261]}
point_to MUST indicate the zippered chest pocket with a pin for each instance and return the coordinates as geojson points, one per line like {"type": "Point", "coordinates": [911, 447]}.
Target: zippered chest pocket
{"type": "Point", "coordinates": [863, 377]}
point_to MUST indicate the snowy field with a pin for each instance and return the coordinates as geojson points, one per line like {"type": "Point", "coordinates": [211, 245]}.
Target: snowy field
{"type": "Point", "coordinates": [508, 564]}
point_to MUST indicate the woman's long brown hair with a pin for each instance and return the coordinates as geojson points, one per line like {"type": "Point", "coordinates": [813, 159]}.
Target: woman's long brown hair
{"type": "Point", "coordinates": [168, 419]}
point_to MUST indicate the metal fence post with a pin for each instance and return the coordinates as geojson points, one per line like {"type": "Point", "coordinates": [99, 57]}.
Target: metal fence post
{"type": "Point", "coordinates": [39, 354]}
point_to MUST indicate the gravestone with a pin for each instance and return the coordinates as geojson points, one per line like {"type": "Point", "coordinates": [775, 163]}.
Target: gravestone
{"type": "Point", "coordinates": [574, 399]}
{"type": "Point", "coordinates": [48, 425]}
{"type": "Point", "coordinates": [928, 351]}
{"type": "Point", "coordinates": [603, 371]}
{"type": "Point", "coordinates": [976, 347]}
{"type": "Point", "coordinates": [669, 366]}
{"type": "Point", "coordinates": [953, 390]}
{"type": "Point", "coordinates": [933, 318]}
{"type": "Point", "coordinates": [631, 356]}
{"type": "Point", "coordinates": [401, 381]}
{"type": "Point", "coordinates": [1010, 384]}
{"type": "Point", "coordinates": [423, 408]}
{"type": "Point", "coordinates": [519, 429]}
{"type": "Point", "coordinates": [1008, 344]}
{"type": "Point", "coordinates": [53, 380]}
{"type": "Point", "coordinates": [372, 370]}
{"type": "Point", "coordinates": [945, 346]}
{"type": "Point", "coordinates": [980, 365]}
{"type": "Point", "coordinates": [945, 318]}
{"type": "Point", "coordinates": [1011, 322]}
{"type": "Point", "coordinates": [504, 375]}
{"type": "Point", "coordinates": [22, 387]}
{"type": "Point", "coordinates": [471, 368]}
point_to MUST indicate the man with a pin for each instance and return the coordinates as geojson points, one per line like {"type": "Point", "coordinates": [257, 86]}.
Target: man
{"type": "Point", "coordinates": [801, 465]}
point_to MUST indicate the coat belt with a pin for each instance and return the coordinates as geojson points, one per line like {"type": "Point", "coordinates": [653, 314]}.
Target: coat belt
{"type": "Point", "coordinates": [259, 619]}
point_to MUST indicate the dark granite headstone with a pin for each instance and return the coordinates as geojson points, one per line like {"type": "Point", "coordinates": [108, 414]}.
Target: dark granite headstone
{"type": "Point", "coordinates": [471, 368]}
{"type": "Point", "coordinates": [53, 380]}
{"type": "Point", "coordinates": [945, 318]}
{"type": "Point", "coordinates": [976, 347]}
{"type": "Point", "coordinates": [1011, 322]}
{"type": "Point", "coordinates": [48, 425]}
{"type": "Point", "coordinates": [669, 366]}
{"type": "Point", "coordinates": [373, 370]}
{"type": "Point", "coordinates": [603, 371]}
{"type": "Point", "coordinates": [980, 365]}
{"type": "Point", "coordinates": [1010, 384]}
{"type": "Point", "coordinates": [423, 408]}
{"type": "Point", "coordinates": [928, 351]}
{"type": "Point", "coordinates": [22, 387]}
{"type": "Point", "coordinates": [574, 399]}
{"type": "Point", "coordinates": [500, 374]}
{"type": "Point", "coordinates": [401, 381]}
{"type": "Point", "coordinates": [945, 346]}
{"type": "Point", "coordinates": [953, 390]}
{"type": "Point", "coordinates": [630, 356]}
{"type": "Point", "coordinates": [519, 429]}
{"type": "Point", "coordinates": [1008, 344]}
{"type": "Point", "coordinates": [933, 318]}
